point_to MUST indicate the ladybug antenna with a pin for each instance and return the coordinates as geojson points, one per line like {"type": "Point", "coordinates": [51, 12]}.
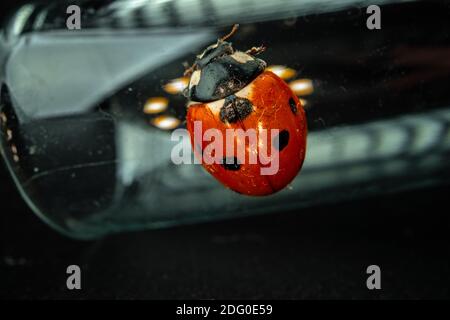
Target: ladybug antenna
{"type": "Point", "coordinates": [189, 70]}
{"type": "Point", "coordinates": [231, 33]}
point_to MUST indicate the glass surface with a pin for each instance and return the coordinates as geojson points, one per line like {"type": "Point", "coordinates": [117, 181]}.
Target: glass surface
{"type": "Point", "coordinates": [87, 115]}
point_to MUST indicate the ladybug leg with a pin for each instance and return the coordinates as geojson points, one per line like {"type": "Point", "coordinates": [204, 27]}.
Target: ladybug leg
{"type": "Point", "coordinates": [256, 50]}
{"type": "Point", "coordinates": [188, 69]}
{"type": "Point", "coordinates": [231, 33]}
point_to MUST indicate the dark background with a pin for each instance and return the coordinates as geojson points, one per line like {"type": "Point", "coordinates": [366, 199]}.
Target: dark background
{"type": "Point", "coordinates": [320, 252]}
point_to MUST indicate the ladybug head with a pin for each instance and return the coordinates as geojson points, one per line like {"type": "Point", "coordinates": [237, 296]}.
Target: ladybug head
{"type": "Point", "coordinates": [220, 71]}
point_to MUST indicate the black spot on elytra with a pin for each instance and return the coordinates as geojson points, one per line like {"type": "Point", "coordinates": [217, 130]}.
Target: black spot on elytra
{"type": "Point", "coordinates": [293, 105]}
{"type": "Point", "coordinates": [235, 109]}
{"type": "Point", "coordinates": [281, 140]}
{"type": "Point", "coordinates": [231, 164]}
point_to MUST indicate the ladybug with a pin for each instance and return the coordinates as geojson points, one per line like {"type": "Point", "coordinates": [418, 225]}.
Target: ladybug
{"type": "Point", "coordinates": [231, 89]}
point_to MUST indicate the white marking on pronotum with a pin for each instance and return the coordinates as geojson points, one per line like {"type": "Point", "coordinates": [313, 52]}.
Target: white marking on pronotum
{"type": "Point", "coordinates": [195, 78]}
{"type": "Point", "coordinates": [241, 57]}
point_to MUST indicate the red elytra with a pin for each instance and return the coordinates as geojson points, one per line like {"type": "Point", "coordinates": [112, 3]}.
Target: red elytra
{"type": "Point", "coordinates": [273, 106]}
